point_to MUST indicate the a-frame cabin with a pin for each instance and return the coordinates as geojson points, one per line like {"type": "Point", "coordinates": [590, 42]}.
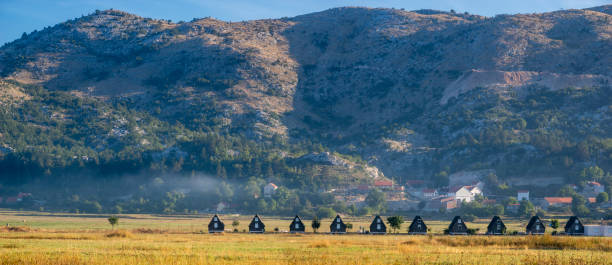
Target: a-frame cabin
{"type": "Point", "coordinates": [256, 225]}
{"type": "Point", "coordinates": [457, 227]}
{"type": "Point", "coordinates": [574, 227]}
{"type": "Point", "coordinates": [337, 226]}
{"type": "Point", "coordinates": [496, 226]}
{"type": "Point", "coordinates": [378, 226]}
{"type": "Point", "coordinates": [417, 227]}
{"type": "Point", "coordinates": [535, 226]}
{"type": "Point", "coordinates": [297, 226]}
{"type": "Point", "coordinates": [215, 225]}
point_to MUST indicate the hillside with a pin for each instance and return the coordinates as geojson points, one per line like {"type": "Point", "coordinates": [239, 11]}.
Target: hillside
{"type": "Point", "coordinates": [392, 93]}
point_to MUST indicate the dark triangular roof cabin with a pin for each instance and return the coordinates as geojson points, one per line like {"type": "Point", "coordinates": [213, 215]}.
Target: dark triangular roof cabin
{"type": "Point", "coordinates": [535, 226]}
{"type": "Point", "coordinates": [574, 227]}
{"type": "Point", "coordinates": [496, 226]}
{"type": "Point", "coordinates": [417, 226]}
{"type": "Point", "coordinates": [297, 226]}
{"type": "Point", "coordinates": [457, 227]}
{"type": "Point", "coordinates": [215, 225]}
{"type": "Point", "coordinates": [256, 225]}
{"type": "Point", "coordinates": [337, 226]}
{"type": "Point", "coordinates": [378, 226]}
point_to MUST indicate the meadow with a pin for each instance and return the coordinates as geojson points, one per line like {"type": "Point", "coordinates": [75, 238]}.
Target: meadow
{"type": "Point", "coordinates": [42, 238]}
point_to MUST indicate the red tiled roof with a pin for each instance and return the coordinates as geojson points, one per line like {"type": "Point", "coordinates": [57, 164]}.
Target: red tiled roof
{"type": "Point", "coordinates": [592, 199]}
{"type": "Point", "coordinates": [562, 200]}
{"type": "Point", "coordinates": [489, 201]}
{"type": "Point", "coordinates": [594, 183]}
{"type": "Point", "coordinates": [447, 199]}
{"type": "Point", "coordinates": [383, 183]}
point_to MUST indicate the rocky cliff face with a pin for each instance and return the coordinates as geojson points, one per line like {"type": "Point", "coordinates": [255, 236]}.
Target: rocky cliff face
{"type": "Point", "coordinates": [412, 93]}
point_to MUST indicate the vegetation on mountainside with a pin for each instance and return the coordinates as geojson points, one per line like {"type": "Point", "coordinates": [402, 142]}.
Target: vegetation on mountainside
{"type": "Point", "coordinates": [125, 101]}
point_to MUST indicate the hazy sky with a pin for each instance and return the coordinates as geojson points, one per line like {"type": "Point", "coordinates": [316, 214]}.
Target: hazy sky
{"type": "Point", "coordinates": [18, 16]}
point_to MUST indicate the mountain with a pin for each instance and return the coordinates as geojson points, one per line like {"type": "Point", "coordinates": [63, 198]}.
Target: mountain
{"type": "Point", "coordinates": [389, 93]}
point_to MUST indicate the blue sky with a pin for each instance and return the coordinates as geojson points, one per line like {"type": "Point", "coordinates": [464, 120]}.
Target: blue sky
{"type": "Point", "coordinates": [18, 16]}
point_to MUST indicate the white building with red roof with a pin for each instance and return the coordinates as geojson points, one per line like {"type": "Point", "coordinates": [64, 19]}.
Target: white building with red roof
{"type": "Point", "coordinates": [270, 189]}
{"type": "Point", "coordinates": [464, 193]}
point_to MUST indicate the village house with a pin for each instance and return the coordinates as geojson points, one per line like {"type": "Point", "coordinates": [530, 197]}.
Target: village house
{"type": "Point", "coordinates": [522, 195]}
{"type": "Point", "coordinates": [556, 202]}
{"type": "Point", "coordinates": [464, 193]}
{"type": "Point", "coordinates": [513, 207]}
{"type": "Point", "coordinates": [593, 188]}
{"type": "Point", "coordinates": [383, 184]}
{"type": "Point", "coordinates": [429, 193]}
{"type": "Point", "coordinates": [270, 189]}
{"type": "Point", "coordinates": [446, 203]}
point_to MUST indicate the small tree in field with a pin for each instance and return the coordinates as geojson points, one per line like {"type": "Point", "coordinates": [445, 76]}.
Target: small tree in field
{"type": "Point", "coordinates": [395, 222]}
{"type": "Point", "coordinates": [235, 224]}
{"type": "Point", "coordinates": [554, 223]}
{"type": "Point", "coordinates": [349, 226]}
{"type": "Point", "coordinates": [113, 220]}
{"type": "Point", "coordinates": [315, 224]}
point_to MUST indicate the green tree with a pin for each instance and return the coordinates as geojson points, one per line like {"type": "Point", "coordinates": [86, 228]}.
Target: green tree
{"type": "Point", "coordinates": [395, 222]}
{"type": "Point", "coordinates": [376, 200]}
{"type": "Point", "coordinates": [235, 224]}
{"type": "Point", "coordinates": [567, 191]}
{"type": "Point", "coordinates": [591, 173]}
{"type": "Point", "coordinates": [113, 221]}
{"type": "Point", "coordinates": [579, 206]}
{"type": "Point", "coordinates": [602, 197]}
{"type": "Point", "coordinates": [526, 208]}
{"type": "Point", "coordinates": [554, 223]}
{"type": "Point", "coordinates": [225, 192]}
{"type": "Point", "coordinates": [315, 224]}
{"type": "Point", "coordinates": [262, 205]}
{"type": "Point", "coordinates": [326, 212]}
{"type": "Point", "coordinates": [441, 179]}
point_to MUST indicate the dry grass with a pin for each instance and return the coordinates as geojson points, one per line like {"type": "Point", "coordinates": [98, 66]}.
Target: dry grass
{"type": "Point", "coordinates": [120, 233]}
{"type": "Point", "coordinates": [151, 248]}
{"type": "Point", "coordinates": [150, 240]}
{"type": "Point", "coordinates": [149, 231]}
{"type": "Point", "coordinates": [15, 229]}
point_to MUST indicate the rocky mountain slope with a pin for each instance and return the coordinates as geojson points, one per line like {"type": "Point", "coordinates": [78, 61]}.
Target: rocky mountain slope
{"type": "Point", "coordinates": [413, 94]}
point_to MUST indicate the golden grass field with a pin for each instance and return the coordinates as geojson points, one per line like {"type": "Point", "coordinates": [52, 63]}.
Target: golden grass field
{"type": "Point", "coordinates": [147, 239]}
